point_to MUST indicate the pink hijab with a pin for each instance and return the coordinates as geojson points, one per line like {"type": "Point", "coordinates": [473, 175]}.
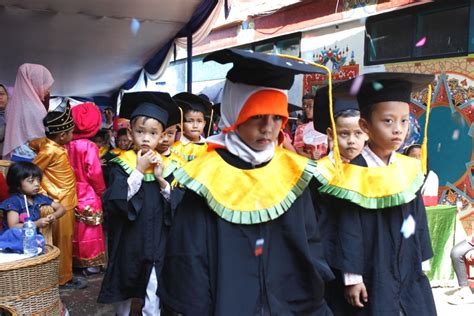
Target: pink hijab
{"type": "Point", "coordinates": [25, 110]}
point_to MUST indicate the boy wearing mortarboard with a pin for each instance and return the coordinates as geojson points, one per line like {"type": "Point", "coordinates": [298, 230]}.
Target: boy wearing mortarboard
{"type": "Point", "coordinates": [191, 144]}
{"type": "Point", "coordinates": [378, 235]}
{"type": "Point", "coordinates": [245, 240]}
{"type": "Point", "coordinates": [138, 226]}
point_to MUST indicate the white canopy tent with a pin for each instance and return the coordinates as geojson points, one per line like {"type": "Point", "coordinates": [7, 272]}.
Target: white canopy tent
{"type": "Point", "coordinates": [89, 46]}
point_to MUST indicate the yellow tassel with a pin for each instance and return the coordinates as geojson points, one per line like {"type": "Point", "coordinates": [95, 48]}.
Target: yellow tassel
{"type": "Point", "coordinates": [181, 126]}
{"type": "Point", "coordinates": [336, 153]}
{"type": "Point", "coordinates": [210, 123]}
{"type": "Point", "coordinates": [424, 145]}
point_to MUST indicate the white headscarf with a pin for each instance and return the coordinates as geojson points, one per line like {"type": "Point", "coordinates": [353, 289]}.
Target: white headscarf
{"type": "Point", "coordinates": [25, 110]}
{"type": "Point", "coordinates": [234, 97]}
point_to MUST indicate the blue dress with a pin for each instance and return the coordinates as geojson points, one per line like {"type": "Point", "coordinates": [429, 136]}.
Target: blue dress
{"type": "Point", "coordinates": [16, 203]}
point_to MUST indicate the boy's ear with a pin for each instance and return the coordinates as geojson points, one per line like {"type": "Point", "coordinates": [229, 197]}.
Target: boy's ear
{"type": "Point", "coordinates": [329, 133]}
{"type": "Point", "coordinates": [364, 125]}
{"type": "Point", "coordinates": [129, 134]}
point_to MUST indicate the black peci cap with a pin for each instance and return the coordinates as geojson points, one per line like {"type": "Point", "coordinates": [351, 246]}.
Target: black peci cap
{"type": "Point", "coordinates": [384, 86]}
{"type": "Point", "coordinates": [262, 70]}
{"type": "Point", "coordinates": [157, 105]}
{"type": "Point", "coordinates": [189, 101]}
{"type": "Point", "coordinates": [321, 116]}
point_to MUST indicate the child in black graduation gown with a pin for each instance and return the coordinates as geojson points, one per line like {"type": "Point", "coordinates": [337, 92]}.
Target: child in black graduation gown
{"type": "Point", "coordinates": [245, 240]}
{"type": "Point", "coordinates": [377, 266]}
{"type": "Point", "coordinates": [138, 224]}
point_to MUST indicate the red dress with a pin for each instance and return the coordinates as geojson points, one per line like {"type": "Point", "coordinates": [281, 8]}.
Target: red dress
{"type": "Point", "coordinates": [88, 241]}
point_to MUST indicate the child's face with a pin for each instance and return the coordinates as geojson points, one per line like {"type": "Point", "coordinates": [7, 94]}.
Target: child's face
{"type": "Point", "coordinates": [260, 131]}
{"type": "Point", "coordinates": [193, 127]}
{"type": "Point", "coordinates": [415, 153]}
{"type": "Point", "coordinates": [123, 142]}
{"type": "Point", "coordinates": [350, 137]}
{"type": "Point", "coordinates": [145, 134]}
{"type": "Point", "coordinates": [308, 105]}
{"type": "Point", "coordinates": [388, 125]}
{"type": "Point", "coordinates": [167, 139]}
{"type": "Point", "coordinates": [64, 137]}
{"type": "Point", "coordinates": [30, 186]}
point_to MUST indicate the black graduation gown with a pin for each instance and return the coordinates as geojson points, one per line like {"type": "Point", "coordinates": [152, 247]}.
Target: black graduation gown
{"type": "Point", "coordinates": [369, 243]}
{"type": "Point", "coordinates": [211, 268]}
{"type": "Point", "coordinates": [136, 237]}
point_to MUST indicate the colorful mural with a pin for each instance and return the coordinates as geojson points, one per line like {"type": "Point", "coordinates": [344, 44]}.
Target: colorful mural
{"type": "Point", "coordinates": [450, 144]}
{"type": "Point", "coordinates": [341, 61]}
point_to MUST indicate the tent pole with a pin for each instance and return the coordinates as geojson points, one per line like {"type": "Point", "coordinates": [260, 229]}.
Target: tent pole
{"type": "Point", "coordinates": [189, 61]}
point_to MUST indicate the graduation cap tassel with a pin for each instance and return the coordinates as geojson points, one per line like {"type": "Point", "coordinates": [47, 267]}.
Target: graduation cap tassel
{"type": "Point", "coordinates": [336, 152]}
{"type": "Point", "coordinates": [424, 145]}
{"type": "Point", "coordinates": [210, 123]}
{"type": "Point", "coordinates": [181, 126]}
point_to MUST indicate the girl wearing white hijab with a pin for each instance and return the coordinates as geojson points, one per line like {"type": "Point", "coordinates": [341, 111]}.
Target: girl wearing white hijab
{"type": "Point", "coordinates": [26, 110]}
{"type": "Point", "coordinates": [245, 239]}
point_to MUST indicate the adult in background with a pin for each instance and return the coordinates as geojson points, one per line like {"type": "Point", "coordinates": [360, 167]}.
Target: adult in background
{"type": "Point", "coordinates": [26, 110]}
{"type": "Point", "coordinates": [3, 105]}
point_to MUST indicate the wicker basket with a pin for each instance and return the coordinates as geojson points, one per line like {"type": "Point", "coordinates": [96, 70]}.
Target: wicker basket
{"type": "Point", "coordinates": [30, 286]}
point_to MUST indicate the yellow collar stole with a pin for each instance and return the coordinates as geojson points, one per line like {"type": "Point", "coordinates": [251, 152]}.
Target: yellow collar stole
{"type": "Point", "coordinates": [372, 187]}
{"type": "Point", "coordinates": [248, 196]}
{"type": "Point", "coordinates": [103, 150]}
{"type": "Point", "coordinates": [189, 151]}
{"type": "Point", "coordinates": [128, 161]}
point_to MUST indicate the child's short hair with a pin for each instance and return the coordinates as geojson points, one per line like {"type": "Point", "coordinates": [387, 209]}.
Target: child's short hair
{"type": "Point", "coordinates": [145, 118]}
{"type": "Point", "coordinates": [366, 111]}
{"type": "Point", "coordinates": [347, 113]}
{"type": "Point", "coordinates": [101, 134]}
{"type": "Point", "coordinates": [308, 96]}
{"type": "Point", "coordinates": [408, 149]}
{"type": "Point", "coordinates": [122, 132]}
{"type": "Point", "coordinates": [19, 171]}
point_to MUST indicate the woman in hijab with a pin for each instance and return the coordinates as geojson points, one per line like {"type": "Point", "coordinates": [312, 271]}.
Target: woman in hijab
{"type": "Point", "coordinates": [3, 105]}
{"type": "Point", "coordinates": [26, 110]}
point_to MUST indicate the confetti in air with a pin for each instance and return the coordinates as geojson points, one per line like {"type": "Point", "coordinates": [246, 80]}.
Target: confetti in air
{"type": "Point", "coordinates": [439, 147]}
{"type": "Point", "coordinates": [377, 86]}
{"type": "Point", "coordinates": [408, 227]}
{"type": "Point", "coordinates": [134, 26]}
{"type": "Point", "coordinates": [421, 42]}
{"type": "Point", "coordinates": [455, 134]}
{"type": "Point", "coordinates": [356, 85]}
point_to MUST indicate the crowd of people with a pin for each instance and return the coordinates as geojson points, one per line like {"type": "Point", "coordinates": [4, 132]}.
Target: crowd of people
{"type": "Point", "coordinates": [260, 213]}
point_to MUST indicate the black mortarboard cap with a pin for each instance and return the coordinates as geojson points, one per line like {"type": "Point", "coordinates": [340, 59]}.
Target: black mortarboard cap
{"type": "Point", "coordinates": [258, 69]}
{"type": "Point", "coordinates": [321, 116]}
{"type": "Point", "coordinates": [157, 105]}
{"type": "Point", "coordinates": [191, 101]}
{"type": "Point", "coordinates": [386, 86]}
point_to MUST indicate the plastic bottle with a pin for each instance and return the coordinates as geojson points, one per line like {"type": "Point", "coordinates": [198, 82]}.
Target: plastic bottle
{"type": "Point", "coordinates": [30, 245]}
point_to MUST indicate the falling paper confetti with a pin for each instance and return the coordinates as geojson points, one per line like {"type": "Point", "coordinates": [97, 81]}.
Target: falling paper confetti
{"type": "Point", "coordinates": [408, 227]}
{"type": "Point", "coordinates": [439, 147]}
{"type": "Point", "coordinates": [455, 134]}
{"type": "Point", "coordinates": [134, 26]}
{"type": "Point", "coordinates": [356, 85]}
{"type": "Point", "coordinates": [421, 42]}
{"type": "Point", "coordinates": [377, 86]}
